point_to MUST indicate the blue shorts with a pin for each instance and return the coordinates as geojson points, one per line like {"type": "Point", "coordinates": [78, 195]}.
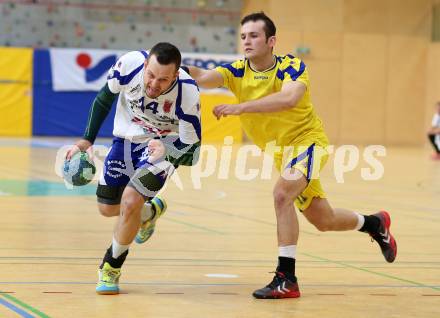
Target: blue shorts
{"type": "Point", "coordinates": [120, 165]}
{"type": "Point", "coordinates": [127, 163]}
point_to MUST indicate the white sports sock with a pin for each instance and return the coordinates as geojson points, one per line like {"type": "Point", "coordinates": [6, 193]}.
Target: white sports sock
{"type": "Point", "coordinates": [287, 251]}
{"type": "Point", "coordinates": [118, 249]}
{"type": "Point", "coordinates": [361, 221]}
{"type": "Point", "coordinates": [146, 212]}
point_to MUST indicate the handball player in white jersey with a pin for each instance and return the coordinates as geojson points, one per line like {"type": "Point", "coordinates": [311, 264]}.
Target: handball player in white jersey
{"type": "Point", "coordinates": [156, 129]}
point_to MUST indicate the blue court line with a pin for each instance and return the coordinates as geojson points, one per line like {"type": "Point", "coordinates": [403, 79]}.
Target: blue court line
{"type": "Point", "coordinates": [24, 305]}
{"type": "Point", "coordinates": [19, 311]}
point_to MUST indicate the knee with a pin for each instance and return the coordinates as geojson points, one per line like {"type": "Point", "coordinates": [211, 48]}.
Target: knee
{"type": "Point", "coordinates": [129, 208]}
{"type": "Point", "coordinates": [108, 210]}
{"type": "Point", "coordinates": [281, 197]}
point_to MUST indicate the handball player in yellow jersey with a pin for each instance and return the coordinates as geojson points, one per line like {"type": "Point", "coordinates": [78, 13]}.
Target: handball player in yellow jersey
{"type": "Point", "coordinates": [273, 92]}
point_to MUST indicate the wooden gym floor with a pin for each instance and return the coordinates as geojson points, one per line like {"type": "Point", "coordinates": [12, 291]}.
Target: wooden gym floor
{"type": "Point", "coordinates": [215, 245]}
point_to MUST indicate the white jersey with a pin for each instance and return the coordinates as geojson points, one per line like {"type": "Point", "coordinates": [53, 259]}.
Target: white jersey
{"type": "Point", "coordinates": [139, 118]}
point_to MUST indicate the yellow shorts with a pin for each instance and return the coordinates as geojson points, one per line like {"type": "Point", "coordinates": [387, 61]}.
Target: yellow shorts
{"type": "Point", "coordinates": [308, 158]}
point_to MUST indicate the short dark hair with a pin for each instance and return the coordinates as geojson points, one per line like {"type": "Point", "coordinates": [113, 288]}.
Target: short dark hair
{"type": "Point", "coordinates": [166, 54]}
{"type": "Point", "coordinates": [269, 26]}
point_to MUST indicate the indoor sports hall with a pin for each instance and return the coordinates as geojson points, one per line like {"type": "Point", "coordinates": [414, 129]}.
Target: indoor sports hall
{"type": "Point", "coordinates": [374, 72]}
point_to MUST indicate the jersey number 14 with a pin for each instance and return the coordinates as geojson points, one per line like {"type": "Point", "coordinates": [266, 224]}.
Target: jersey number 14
{"type": "Point", "coordinates": [151, 106]}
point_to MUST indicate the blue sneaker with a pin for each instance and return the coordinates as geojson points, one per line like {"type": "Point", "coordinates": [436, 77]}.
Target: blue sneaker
{"type": "Point", "coordinates": [108, 283]}
{"type": "Point", "coordinates": [158, 207]}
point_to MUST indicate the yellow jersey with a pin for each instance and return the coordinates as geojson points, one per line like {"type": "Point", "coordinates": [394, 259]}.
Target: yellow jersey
{"type": "Point", "coordinates": [295, 126]}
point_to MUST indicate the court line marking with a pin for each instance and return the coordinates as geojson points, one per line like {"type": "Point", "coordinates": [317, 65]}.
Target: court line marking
{"type": "Point", "coordinates": [138, 260]}
{"type": "Point", "coordinates": [238, 216]}
{"type": "Point", "coordinates": [372, 272]}
{"type": "Point", "coordinates": [400, 206]}
{"type": "Point", "coordinates": [194, 226]}
{"type": "Point", "coordinates": [138, 264]}
{"type": "Point", "coordinates": [16, 309]}
{"type": "Point", "coordinates": [171, 283]}
{"type": "Point", "coordinates": [73, 230]}
{"type": "Point", "coordinates": [26, 306]}
{"type": "Point", "coordinates": [221, 275]}
{"type": "Point", "coordinates": [201, 250]}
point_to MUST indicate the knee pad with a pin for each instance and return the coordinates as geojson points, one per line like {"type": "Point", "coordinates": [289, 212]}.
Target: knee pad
{"type": "Point", "coordinates": [109, 195]}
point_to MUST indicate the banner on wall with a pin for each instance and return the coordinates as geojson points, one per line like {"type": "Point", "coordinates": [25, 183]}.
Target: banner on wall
{"type": "Point", "coordinates": [81, 69]}
{"type": "Point", "coordinates": [86, 69]}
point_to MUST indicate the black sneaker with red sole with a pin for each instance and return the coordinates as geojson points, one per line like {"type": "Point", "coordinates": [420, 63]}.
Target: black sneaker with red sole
{"type": "Point", "coordinates": [384, 238]}
{"type": "Point", "coordinates": [280, 287]}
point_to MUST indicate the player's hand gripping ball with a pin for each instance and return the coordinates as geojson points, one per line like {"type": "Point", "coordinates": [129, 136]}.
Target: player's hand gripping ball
{"type": "Point", "coordinates": [79, 170]}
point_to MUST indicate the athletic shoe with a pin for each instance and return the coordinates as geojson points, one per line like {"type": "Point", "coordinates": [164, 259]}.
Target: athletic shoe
{"type": "Point", "coordinates": [280, 287]}
{"type": "Point", "coordinates": [108, 283]}
{"type": "Point", "coordinates": [158, 207]}
{"type": "Point", "coordinates": [384, 238]}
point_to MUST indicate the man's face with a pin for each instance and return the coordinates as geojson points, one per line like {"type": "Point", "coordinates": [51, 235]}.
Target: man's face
{"type": "Point", "coordinates": [157, 77]}
{"type": "Point", "coordinates": [253, 40]}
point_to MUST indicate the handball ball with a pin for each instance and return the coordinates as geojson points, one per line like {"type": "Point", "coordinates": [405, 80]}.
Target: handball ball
{"type": "Point", "coordinates": [79, 170]}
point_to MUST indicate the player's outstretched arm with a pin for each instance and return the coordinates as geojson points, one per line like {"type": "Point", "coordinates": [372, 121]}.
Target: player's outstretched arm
{"type": "Point", "coordinates": [288, 97]}
{"type": "Point", "coordinates": [206, 78]}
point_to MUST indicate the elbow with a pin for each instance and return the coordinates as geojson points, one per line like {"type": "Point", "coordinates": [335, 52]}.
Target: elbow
{"type": "Point", "coordinates": [289, 103]}
{"type": "Point", "coordinates": [291, 97]}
